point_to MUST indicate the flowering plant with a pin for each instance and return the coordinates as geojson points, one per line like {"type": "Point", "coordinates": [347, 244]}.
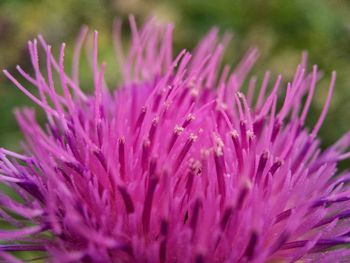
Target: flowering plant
{"type": "Point", "coordinates": [175, 165]}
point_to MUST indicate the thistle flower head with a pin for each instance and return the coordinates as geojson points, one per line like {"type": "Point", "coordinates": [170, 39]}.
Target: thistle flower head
{"type": "Point", "coordinates": [174, 165]}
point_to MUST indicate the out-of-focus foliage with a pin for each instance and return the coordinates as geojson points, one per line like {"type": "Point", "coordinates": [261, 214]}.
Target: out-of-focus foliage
{"type": "Point", "coordinates": [280, 29]}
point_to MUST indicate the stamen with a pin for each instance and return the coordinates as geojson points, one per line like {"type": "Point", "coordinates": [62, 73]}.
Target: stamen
{"type": "Point", "coordinates": [190, 117]}
{"type": "Point", "coordinates": [281, 240]}
{"type": "Point", "coordinates": [31, 96]}
{"type": "Point", "coordinates": [325, 107]}
{"type": "Point", "coordinates": [76, 54]}
{"type": "Point", "coordinates": [11, 234]}
{"type": "Point", "coordinates": [195, 215]}
{"type": "Point", "coordinates": [283, 215]}
{"type": "Point", "coordinates": [199, 258]}
{"type": "Point", "coordinates": [145, 154]}
{"type": "Point", "coordinates": [263, 90]}
{"type": "Point", "coordinates": [22, 247]}
{"type": "Point", "coordinates": [320, 244]}
{"type": "Point", "coordinates": [258, 125]}
{"type": "Point", "coordinates": [243, 129]}
{"type": "Point", "coordinates": [140, 119]}
{"type": "Point", "coordinates": [156, 102]}
{"type": "Point", "coordinates": [251, 89]}
{"type": "Point", "coordinates": [32, 189]}
{"type": "Point", "coordinates": [235, 139]}
{"type": "Point", "coordinates": [275, 130]}
{"type": "Point", "coordinates": [77, 167]}
{"type": "Point", "coordinates": [129, 205]}
{"type": "Point", "coordinates": [226, 216]}
{"type": "Point", "coordinates": [342, 215]}
{"type": "Point", "coordinates": [52, 61]}
{"type": "Point", "coordinates": [121, 156]}
{"type": "Point", "coordinates": [194, 169]}
{"type": "Point", "coordinates": [153, 129]}
{"type": "Point", "coordinates": [117, 28]}
{"type": "Point", "coordinates": [310, 95]}
{"type": "Point", "coordinates": [251, 137]}
{"type": "Point", "coordinates": [164, 226]}
{"type": "Point", "coordinates": [298, 161]}
{"type": "Point", "coordinates": [220, 171]}
{"type": "Point", "coordinates": [177, 131]}
{"type": "Point", "coordinates": [192, 138]}
{"type": "Point", "coordinates": [249, 252]}
{"type": "Point", "coordinates": [146, 213]}
{"type": "Point", "coordinates": [262, 163]}
{"type": "Point", "coordinates": [275, 167]}
{"type": "Point", "coordinates": [328, 201]}
{"type": "Point", "coordinates": [243, 194]}
{"type": "Point", "coordinates": [162, 251]}
{"type": "Point", "coordinates": [153, 166]}
{"type": "Point", "coordinates": [102, 159]}
{"type": "Point", "coordinates": [270, 99]}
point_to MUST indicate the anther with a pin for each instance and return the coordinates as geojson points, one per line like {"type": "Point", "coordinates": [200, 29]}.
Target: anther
{"type": "Point", "coordinates": [275, 167]}
{"type": "Point", "coordinates": [129, 205]}
{"type": "Point", "coordinates": [121, 152]}
{"type": "Point", "coordinates": [220, 171]}
{"type": "Point", "coordinates": [249, 252]}
{"type": "Point", "coordinates": [235, 139]}
{"type": "Point", "coordinates": [225, 218]}
{"type": "Point", "coordinates": [146, 213]}
{"type": "Point", "coordinates": [177, 131]}
{"type": "Point", "coordinates": [190, 117]}
{"type": "Point", "coordinates": [140, 118]}
{"type": "Point", "coordinates": [145, 154]}
{"type": "Point", "coordinates": [262, 163]}
{"type": "Point", "coordinates": [191, 139]}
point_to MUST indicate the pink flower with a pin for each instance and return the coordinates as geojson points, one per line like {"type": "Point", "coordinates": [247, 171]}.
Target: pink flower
{"type": "Point", "coordinates": [174, 165]}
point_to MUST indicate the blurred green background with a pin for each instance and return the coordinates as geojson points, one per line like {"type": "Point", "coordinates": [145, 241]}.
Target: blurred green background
{"type": "Point", "coordinates": [280, 29]}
